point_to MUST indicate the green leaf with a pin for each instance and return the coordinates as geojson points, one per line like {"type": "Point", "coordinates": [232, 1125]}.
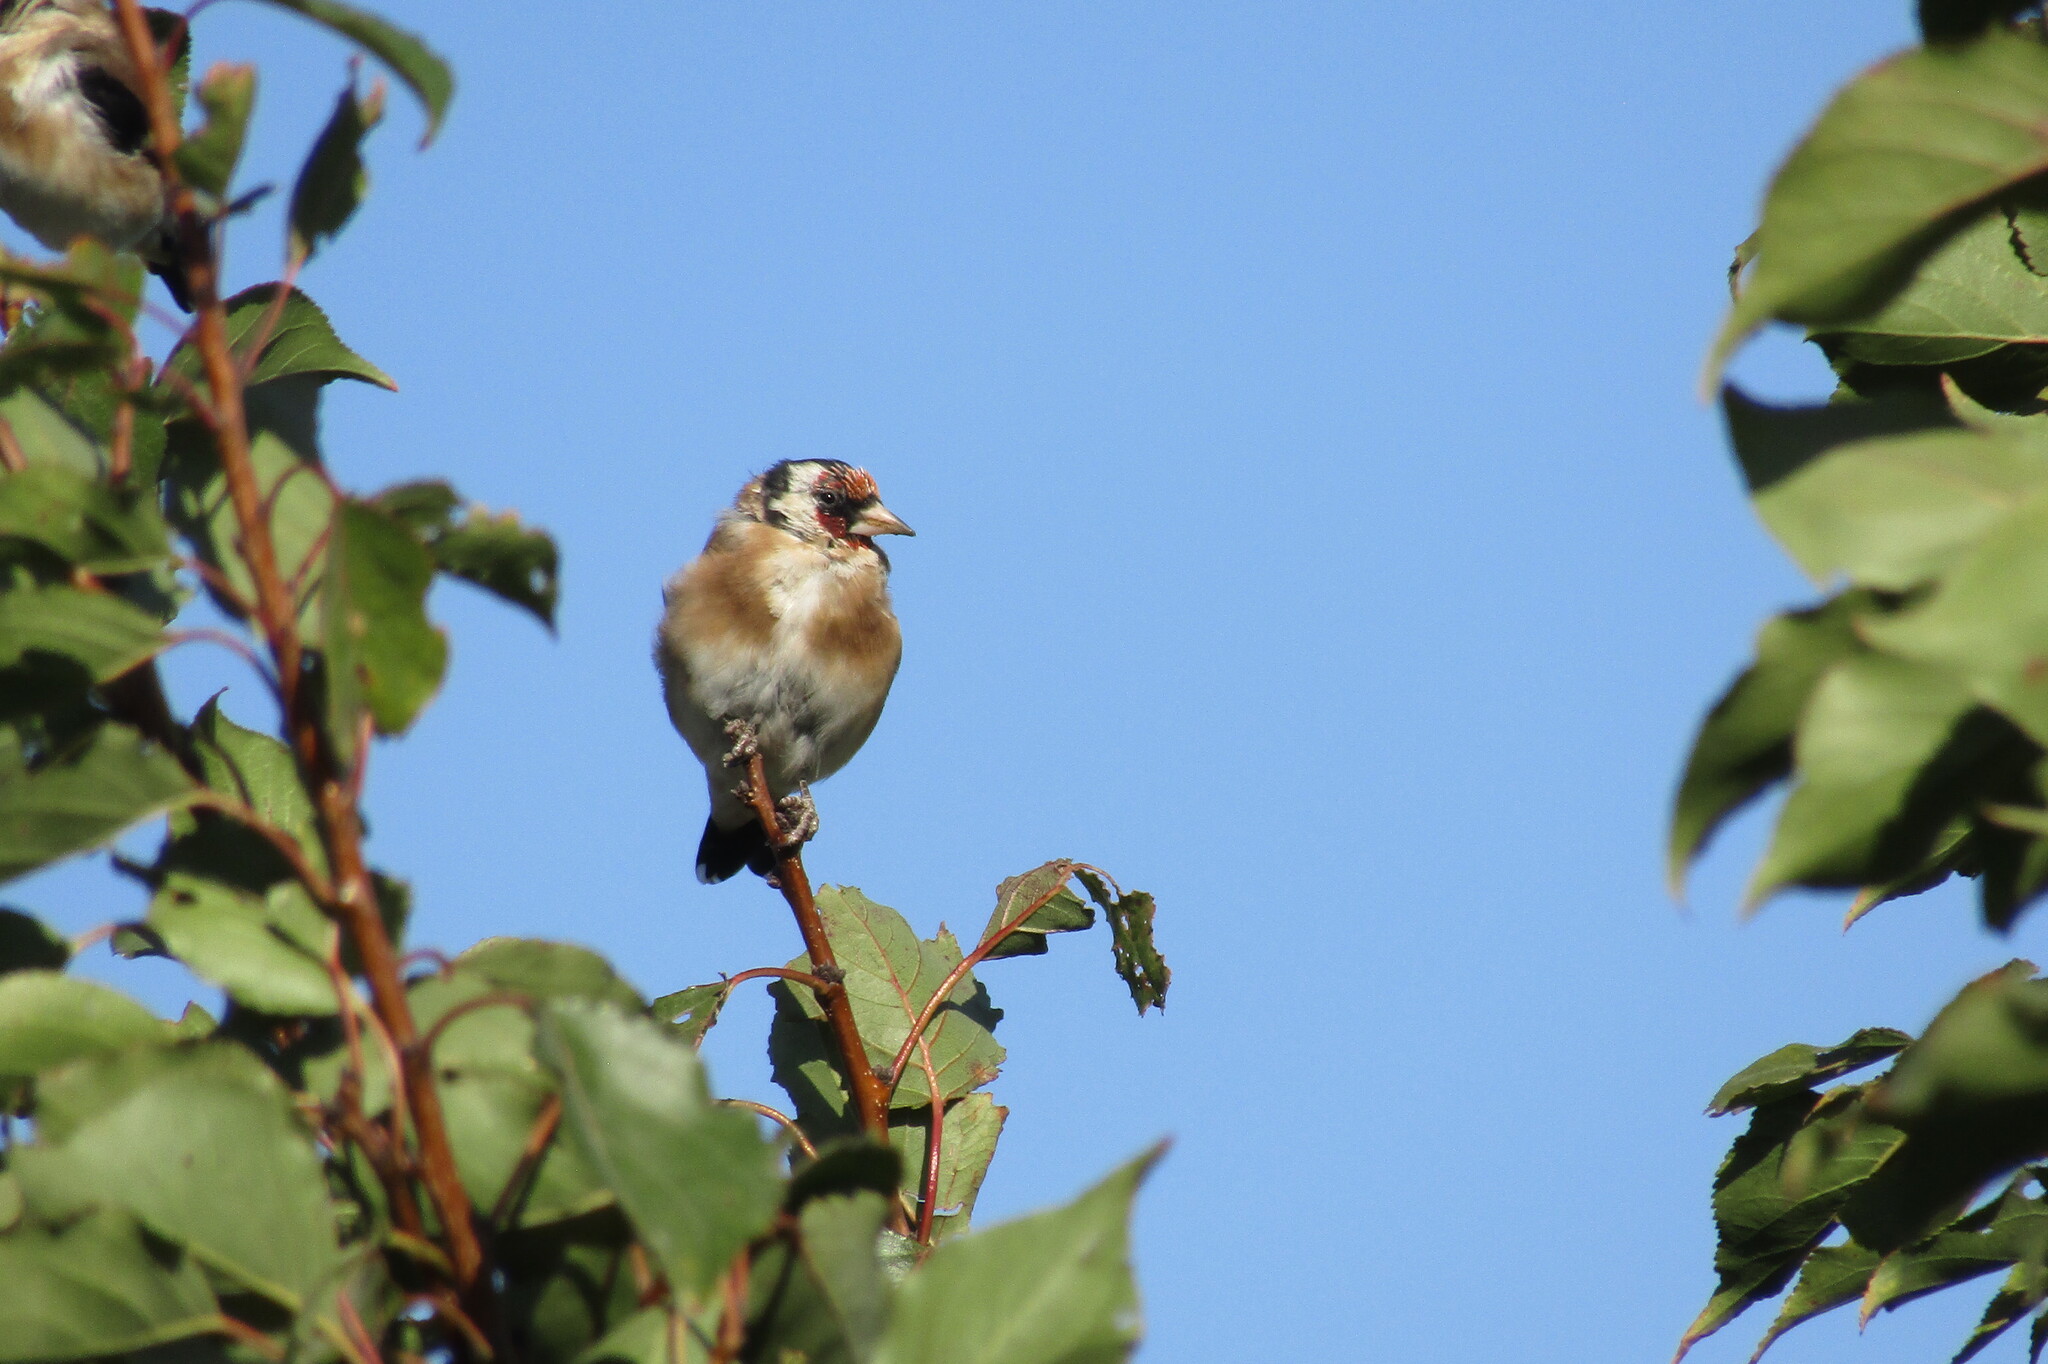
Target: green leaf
{"type": "Point", "coordinates": [47, 1019]}
{"type": "Point", "coordinates": [1055, 1288]}
{"type": "Point", "coordinates": [332, 183]}
{"type": "Point", "coordinates": [103, 632]}
{"type": "Point", "coordinates": [207, 157]}
{"type": "Point", "coordinates": [94, 1288]}
{"type": "Point", "coordinates": [82, 521]}
{"type": "Point", "coordinates": [1745, 743]}
{"type": "Point", "coordinates": [299, 342]}
{"type": "Point", "coordinates": [267, 951]}
{"type": "Point", "coordinates": [696, 1179]}
{"type": "Point", "coordinates": [548, 970]}
{"type": "Point", "coordinates": [825, 1301]}
{"type": "Point", "coordinates": [692, 1011]}
{"type": "Point", "coordinates": [1780, 1190]}
{"type": "Point", "coordinates": [209, 1154]}
{"type": "Point", "coordinates": [967, 1145]}
{"type": "Point", "coordinates": [1988, 621]}
{"type": "Point", "coordinates": [2013, 1230]}
{"type": "Point", "coordinates": [29, 944]}
{"type": "Point", "coordinates": [1875, 184]}
{"type": "Point", "coordinates": [2023, 1290]}
{"type": "Point", "coordinates": [260, 772]}
{"type": "Point", "coordinates": [1059, 910]}
{"type": "Point", "coordinates": [383, 654]}
{"type": "Point", "coordinates": [1831, 1277]}
{"type": "Point", "coordinates": [83, 798]}
{"type": "Point", "coordinates": [301, 507]}
{"type": "Point", "coordinates": [411, 60]}
{"type": "Point", "coordinates": [495, 551]}
{"type": "Point", "coordinates": [844, 1165]}
{"type": "Point", "coordinates": [1862, 810]}
{"type": "Point", "coordinates": [1896, 512]}
{"type": "Point", "coordinates": [890, 977]}
{"type": "Point", "coordinates": [1973, 295]}
{"type": "Point", "coordinates": [1130, 936]}
{"type": "Point", "coordinates": [1790, 1069]}
{"type": "Point", "coordinates": [48, 438]}
{"type": "Point", "coordinates": [1773, 443]}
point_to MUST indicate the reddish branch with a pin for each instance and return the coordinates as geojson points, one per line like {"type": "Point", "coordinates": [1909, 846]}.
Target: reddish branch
{"type": "Point", "coordinates": [869, 1097]}
{"type": "Point", "coordinates": [354, 901]}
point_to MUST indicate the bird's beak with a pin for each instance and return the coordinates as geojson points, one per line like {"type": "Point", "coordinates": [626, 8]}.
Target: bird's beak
{"type": "Point", "coordinates": [879, 520]}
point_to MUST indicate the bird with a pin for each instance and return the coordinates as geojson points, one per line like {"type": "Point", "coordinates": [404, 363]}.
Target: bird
{"type": "Point", "coordinates": [784, 624]}
{"type": "Point", "coordinates": [73, 133]}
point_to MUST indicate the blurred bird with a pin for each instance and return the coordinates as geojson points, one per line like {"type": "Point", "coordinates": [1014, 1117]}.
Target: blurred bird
{"type": "Point", "coordinates": [72, 132]}
{"type": "Point", "coordinates": [783, 622]}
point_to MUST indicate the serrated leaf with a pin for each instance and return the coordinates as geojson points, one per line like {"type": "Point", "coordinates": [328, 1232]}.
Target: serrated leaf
{"type": "Point", "coordinates": [1745, 744]}
{"type": "Point", "coordinates": [411, 60]}
{"type": "Point", "coordinates": [83, 521]}
{"type": "Point", "coordinates": [1053, 1287]}
{"type": "Point", "coordinates": [691, 1011]}
{"type": "Point", "coordinates": [207, 157]}
{"type": "Point", "coordinates": [258, 771]}
{"type": "Point", "coordinates": [1793, 1068]}
{"type": "Point", "coordinates": [1831, 1277]}
{"type": "Point", "coordinates": [92, 1289]}
{"type": "Point", "coordinates": [300, 343]}
{"type": "Point", "coordinates": [1971, 296]}
{"type": "Point", "coordinates": [103, 632]}
{"type": "Point", "coordinates": [1059, 910]}
{"type": "Point", "coordinates": [82, 798]}
{"type": "Point", "coordinates": [47, 1019]}
{"type": "Point", "coordinates": [1870, 189]}
{"type": "Point", "coordinates": [332, 183]}
{"type": "Point", "coordinates": [2013, 1230]}
{"type": "Point", "coordinates": [696, 1179]}
{"type": "Point", "coordinates": [890, 977]}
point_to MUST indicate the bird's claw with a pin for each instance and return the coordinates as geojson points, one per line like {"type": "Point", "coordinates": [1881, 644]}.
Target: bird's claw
{"type": "Point", "coordinates": [797, 818]}
{"type": "Point", "coordinates": [744, 743]}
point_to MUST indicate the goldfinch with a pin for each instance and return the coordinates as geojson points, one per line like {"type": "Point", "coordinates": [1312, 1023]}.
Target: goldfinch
{"type": "Point", "coordinates": [782, 623]}
{"type": "Point", "coordinates": [72, 132]}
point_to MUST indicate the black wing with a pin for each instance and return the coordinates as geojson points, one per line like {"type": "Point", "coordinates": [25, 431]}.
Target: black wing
{"type": "Point", "coordinates": [119, 108]}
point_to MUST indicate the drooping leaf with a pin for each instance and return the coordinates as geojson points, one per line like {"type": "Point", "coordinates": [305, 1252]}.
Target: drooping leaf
{"type": "Point", "coordinates": [498, 553]}
{"type": "Point", "coordinates": [383, 655]}
{"type": "Point", "coordinates": [695, 1178]}
{"type": "Point", "coordinates": [1790, 1069]}
{"type": "Point", "coordinates": [104, 633]}
{"type": "Point", "coordinates": [1058, 910]}
{"type": "Point", "coordinates": [82, 521]}
{"type": "Point", "coordinates": [1745, 743]}
{"type": "Point", "coordinates": [83, 797]}
{"type": "Point", "coordinates": [1138, 961]}
{"type": "Point", "coordinates": [47, 1019]}
{"type": "Point", "coordinates": [93, 1289]}
{"type": "Point", "coordinates": [1862, 809]}
{"type": "Point", "coordinates": [1872, 188]}
{"type": "Point", "coordinates": [207, 158]}
{"type": "Point", "coordinates": [1831, 1277]}
{"type": "Point", "coordinates": [332, 183]}
{"type": "Point", "coordinates": [1052, 1287]}
{"type": "Point", "coordinates": [1988, 621]}
{"type": "Point", "coordinates": [411, 60]}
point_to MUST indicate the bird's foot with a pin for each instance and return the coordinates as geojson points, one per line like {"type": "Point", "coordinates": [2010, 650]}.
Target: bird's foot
{"type": "Point", "coordinates": [797, 816]}
{"type": "Point", "coordinates": [744, 743]}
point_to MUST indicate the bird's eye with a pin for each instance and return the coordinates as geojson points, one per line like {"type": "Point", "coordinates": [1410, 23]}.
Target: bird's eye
{"type": "Point", "coordinates": [831, 499]}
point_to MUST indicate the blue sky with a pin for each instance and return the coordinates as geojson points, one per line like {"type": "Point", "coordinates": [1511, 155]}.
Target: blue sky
{"type": "Point", "coordinates": [1316, 527]}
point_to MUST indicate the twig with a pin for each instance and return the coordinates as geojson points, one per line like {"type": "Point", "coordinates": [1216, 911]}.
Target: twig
{"type": "Point", "coordinates": [777, 973]}
{"type": "Point", "coordinates": [12, 457]}
{"type": "Point", "coordinates": [933, 1144]}
{"type": "Point", "coordinates": [218, 582]}
{"type": "Point", "coordinates": [226, 641]}
{"type": "Point", "coordinates": [868, 1095]}
{"type": "Point", "coordinates": [952, 981]}
{"type": "Point", "coordinates": [732, 1317]}
{"type": "Point", "coordinates": [508, 998]}
{"type": "Point", "coordinates": [529, 1159]}
{"type": "Point", "coordinates": [781, 1119]}
{"type": "Point", "coordinates": [359, 1334]}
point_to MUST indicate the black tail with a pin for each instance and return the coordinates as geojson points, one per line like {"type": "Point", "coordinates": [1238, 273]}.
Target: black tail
{"type": "Point", "coordinates": [172, 273]}
{"type": "Point", "coordinates": [722, 852]}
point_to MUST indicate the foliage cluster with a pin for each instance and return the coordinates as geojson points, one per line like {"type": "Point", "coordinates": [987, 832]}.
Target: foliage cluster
{"type": "Point", "coordinates": [377, 1153]}
{"type": "Point", "coordinates": [1905, 716]}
